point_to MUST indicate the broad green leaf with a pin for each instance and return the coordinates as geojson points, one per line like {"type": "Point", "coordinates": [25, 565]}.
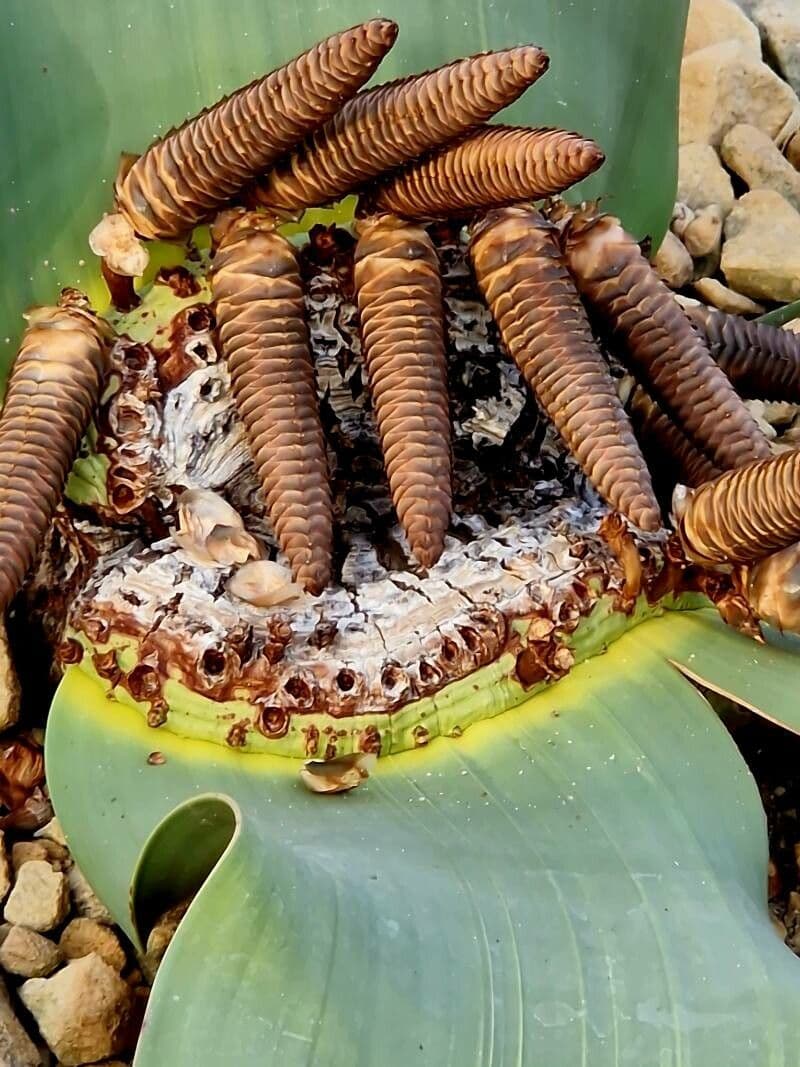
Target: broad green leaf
{"type": "Point", "coordinates": [80, 82]}
{"type": "Point", "coordinates": [578, 881]}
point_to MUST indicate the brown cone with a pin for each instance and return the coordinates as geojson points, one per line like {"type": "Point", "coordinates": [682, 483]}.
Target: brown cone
{"type": "Point", "coordinates": [522, 275]}
{"type": "Point", "coordinates": [52, 395]}
{"type": "Point", "coordinates": [402, 330]}
{"type": "Point", "coordinates": [745, 514]}
{"type": "Point", "coordinates": [388, 126]}
{"type": "Point", "coordinates": [660, 343]}
{"type": "Point", "coordinates": [665, 445]}
{"type": "Point", "coordinates": [183, 178]}
{"type": "Point", "coordinates": [762, 361]}
{"type": "Point", "coordinates": [497, 165]}
{"type": "Point", "coordinates": [259, 301]}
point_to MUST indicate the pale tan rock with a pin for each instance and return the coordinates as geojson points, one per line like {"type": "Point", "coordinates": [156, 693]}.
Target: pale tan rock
{"type": "Point", "coordinates": [723, 85]}
{"type": "Point", "coordinates": [761, 254]}
{"type": "Point", "coordinates": [5, 871]}
{"type": "Point", "coordinates": [702, 180]}
{"type": "Point", "coordinates": [26, 953]}
{"type": "Point", "coordinates": [759, 163]}
{"type": "Point", "coordinates": [672, 262]}
{"type": "Point", "coordinates": [712, 21]}
{"type": "Point", "coordinates": [720, 296]}
{"type": "Point", "coordinates": [757, 409]}
{"type": "Point", "coordinates": [52, 832]}
{"type": "Point", "coordinates": [703, 235]}
{"type": "Point", "coordinates": [40, 897]}
{"type": "Point", "coordinates": [84, 1012]}
{"type": "Point", "coordinates": [793, 326]}
{"type": "Point", "coordinates": [50, 851]}
{"type": "Point", "coordinates": [10, 692]}
{"type": "Point", "coordinates": [779, 22]}
{"type": "Point", "coordinates": [682, 216]}
{"type": "Point", "coordinates": [16, 1048]}
{"type": "Point", "coordinates": [82, 936]}
{"type": "Point", "coordinates": [84, 898]}
{"type": "Point", "coordinates": [792, 150]}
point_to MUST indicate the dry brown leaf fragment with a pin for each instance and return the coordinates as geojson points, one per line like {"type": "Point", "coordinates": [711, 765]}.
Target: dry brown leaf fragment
{"type": "Point", "coordinates": [494, 166]}
{"type": "Point", "coordinates": [212, 532]}
{"type": "Point", "coordinates": [658, 340]}
{"type": "Point", "coordinates": [773, 589]}
{"type": "Point", "coordinates": [521, 272]}
{"type": "Point", "coordinates": [186, 176]}
{"type": "Point", "coordinates": [399, 294]}
{"type": "Point", "coordinates": [262, 328]}
{"type": "Point", "coordinates": [21, 770]}
{"type": "Point", "coordinates": [52, 394]}
{"type": "Point", "coordinates": [338, 775]}
{"type": "Point", "coordinates": [386, 127]}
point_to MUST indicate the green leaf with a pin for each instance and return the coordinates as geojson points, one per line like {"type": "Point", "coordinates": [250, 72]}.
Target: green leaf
{"type": "Point", "coordinates": [780, 316]}
{"type": "Point", "coordinates": [81, 82]}
{"type": "Point", "coordinates": [580, 880]}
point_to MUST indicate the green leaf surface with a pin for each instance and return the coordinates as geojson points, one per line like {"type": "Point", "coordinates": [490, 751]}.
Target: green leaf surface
{"type": "Point", "coordinates": [579, 881]}
{"type": "Point", "coordinates": [780, 316]}
{"type": "Point", "coordinates": [81, 82]}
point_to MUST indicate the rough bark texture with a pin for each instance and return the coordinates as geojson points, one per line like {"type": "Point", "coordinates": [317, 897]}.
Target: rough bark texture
{"type": "Point", "coordinates": [52, 394]}
{"type": "Point", "coordinates": [183, 178]}
{"type": "Point", "coordinates": [521, 272]}
{"type": "Point", "coordinates": [745, 514]}
{"type": "Point", "coordinates": [659, 341]}
{"type": "Point", "coordinates": [762, 361]}
{"type": "Point", "coordinates": [399, 296]}
{"type": "Point", "coordinates": [495, 166]}
{"type": "Point", "coordinates": [262, 327]}
{"type": "Point", "coordinates": [385, 127]}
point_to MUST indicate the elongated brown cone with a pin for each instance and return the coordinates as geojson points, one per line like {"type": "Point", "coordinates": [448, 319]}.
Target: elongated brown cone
{"type": "Point", "coordinates": [659, 341]}
{"type": "Point", "coordinates": [665, 445]}
{"type": "Point", "coordinates": [402, 331]}
{"type": "Point", "coordinates": [52, 393]}
{"type": "Point", "coordinates": [762, 361]}
{"type": "Point", "coordinates": [259, 300]}
{"type": "Point", "coordinates": [745, 514]}
{"type": "Point", "coordinates": [495, 166]}
{"type": "Point", "coordinates": [521, 272]}
{"type": "Point", "coordinates": [183, 178]}
{"type": "Point", "coordinates": [390, 125]}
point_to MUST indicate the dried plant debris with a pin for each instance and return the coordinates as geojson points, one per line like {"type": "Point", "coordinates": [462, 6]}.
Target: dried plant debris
{"type": "Point", "coordinates": [338, 775]}
{"type": "Point", "coordinates": [211, 532]}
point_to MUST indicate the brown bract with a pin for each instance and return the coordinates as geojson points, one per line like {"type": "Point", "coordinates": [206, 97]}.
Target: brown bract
{"type": "Point", "coordinates": [52, 394]}
{"type": "Point", "coordinates": [183, 178]}
{"type": "Point", "coordinates": [658, 340]}
{"type": "Point", "coordinates": [262, 327]}
{"type": "Point", "coordinates": [389, 126]}
{"type": "Point", "coordinates": [495, 166]}
{"type": "Point", "coordinates": [665, 445]}
{"type": "Point", "coordinates": [521, 272]}
{"type": "Point", "coordinates": [773, 589]}
{"type": "Point", "coordinates": [762, 361]}
{"type": "Point", "coordinates": [399, 296]}
{"type": "Point", "coordinates": [743, 515]}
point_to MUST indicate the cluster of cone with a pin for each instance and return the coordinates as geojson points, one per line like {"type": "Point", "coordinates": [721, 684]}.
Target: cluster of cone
{"type": "Point", "coordinates": [417, 150]}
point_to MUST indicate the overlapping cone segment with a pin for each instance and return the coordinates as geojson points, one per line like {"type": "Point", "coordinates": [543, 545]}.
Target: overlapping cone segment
{"type": "Point", "coordinates": [399, 295]}
{"type": "Point", "coordinates": [493, 167]}
{"type": "Point", "coordinates": [521, 272]}
{"type": "Point", "coordinates": [196, 169]}
{"type": "Point", "coordinates": [664, 443]}
{"type": "Point", "coordinates": [262, 328]}
{"type": "Point", "coordinates": [386, 127]}
{"type": "Point", "coordinates": [658, 340]}
{"type": "Point", "coordinates": [52, 394]}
